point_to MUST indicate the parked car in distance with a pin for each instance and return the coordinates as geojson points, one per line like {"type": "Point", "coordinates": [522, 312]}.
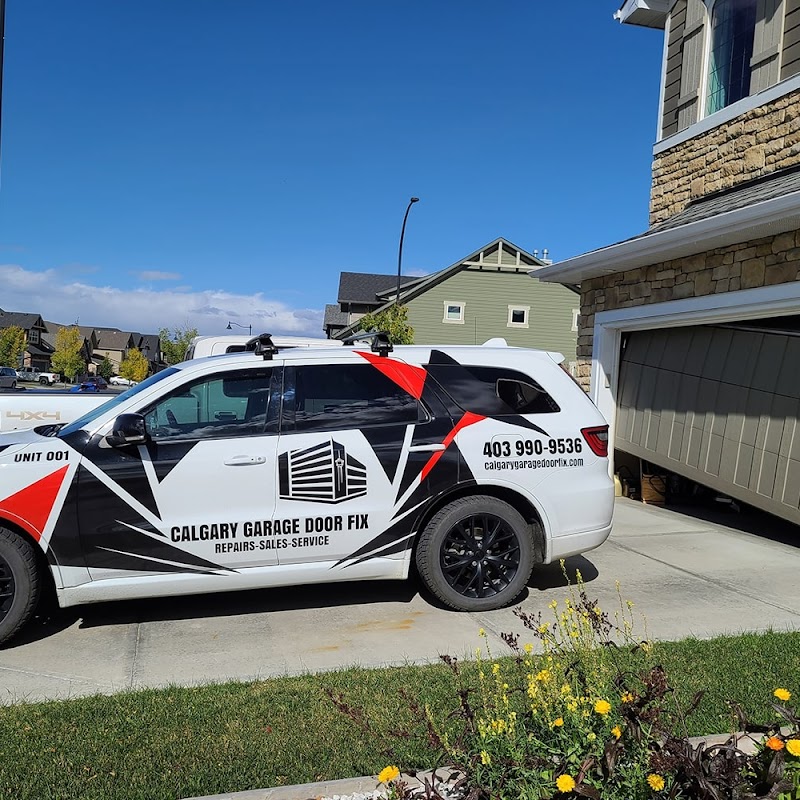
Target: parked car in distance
{"type": "Point", "coordinates": [30, 374]}
{"type": "Point", "coordinates": [48, 378]}
{"type": "Point", "coordinates": [8, 378]}
{"type": "Point", "coordinates": [95, 383]}
{"type": "Point", "coordinates": [118, 380]}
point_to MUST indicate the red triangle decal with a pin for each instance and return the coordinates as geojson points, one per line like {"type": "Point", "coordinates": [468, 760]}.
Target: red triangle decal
{"type": "Point", "coordinates": [406, 376]}
{"type": "Point", "coordinates": [30, 507]}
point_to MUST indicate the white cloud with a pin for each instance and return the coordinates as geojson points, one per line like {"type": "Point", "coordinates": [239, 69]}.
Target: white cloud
{"type": "Point", "coordinates": [156, 275]}
{"type": "Point", "coordinates": [146, 310]}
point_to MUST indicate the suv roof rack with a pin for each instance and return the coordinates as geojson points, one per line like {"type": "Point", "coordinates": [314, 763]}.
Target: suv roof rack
{"type": "Point", "coordinates": [378, 341]}
{"type": "Point", "coordinates": [262, 345]}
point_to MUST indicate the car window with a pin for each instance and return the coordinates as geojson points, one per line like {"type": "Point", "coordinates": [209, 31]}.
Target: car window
{"type": "Point", "coordinates": [221, 405]}
{"type": "Point", "coordinates": [336, 396]}
{"type": "Point", "coordinates": [495, 391]}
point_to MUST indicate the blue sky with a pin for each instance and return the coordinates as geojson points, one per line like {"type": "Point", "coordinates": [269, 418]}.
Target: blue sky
{"type": "Point", "coordinates": [195, 161]}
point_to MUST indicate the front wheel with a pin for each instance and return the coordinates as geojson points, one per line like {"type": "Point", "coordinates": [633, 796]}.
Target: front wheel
{"type": "Point", "coordinates": [476, 554]}
{"type": "Point", "coordinates": [19, 583]}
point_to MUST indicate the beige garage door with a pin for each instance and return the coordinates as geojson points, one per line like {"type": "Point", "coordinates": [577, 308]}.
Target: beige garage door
{"type": "Point", "coordinates": [719, 405]}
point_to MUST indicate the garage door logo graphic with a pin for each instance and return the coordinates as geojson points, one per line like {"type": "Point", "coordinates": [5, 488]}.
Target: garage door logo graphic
{"type": "Point", "coordinates": [324, 473]}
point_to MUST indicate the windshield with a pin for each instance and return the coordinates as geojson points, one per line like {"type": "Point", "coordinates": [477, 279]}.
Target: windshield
{"type": "Point", "coordinates": [88, 418]}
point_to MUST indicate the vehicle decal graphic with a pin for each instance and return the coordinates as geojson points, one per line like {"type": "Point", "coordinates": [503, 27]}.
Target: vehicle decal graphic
{"type": "Point", "coordinates": [324, 473]}
{"type": "Point", "coordinates": [30, 507]}
{"type": "Point", "coordinates": [166, 456]}
{"type": "Point", "coordinates": [115, 536]}
{"type": "Point", "coordinates": [388, 447]}
{"type": "Point", "coordinates": [468, 419]}
{"type": "Point", "coordinates": [407, 376]}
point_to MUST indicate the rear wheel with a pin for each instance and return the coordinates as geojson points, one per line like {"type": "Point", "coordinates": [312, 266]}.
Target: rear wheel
{"type": "Point", "coordinates": [43, 381]}
{"type": "Point", "coordinates": [476, 554]}
{"type": "Point", "coordinates": [20, 585]}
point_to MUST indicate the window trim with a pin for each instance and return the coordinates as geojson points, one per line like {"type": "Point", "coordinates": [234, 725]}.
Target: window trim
{"type": "Point", "coordinates": [33, 336]}
{"type": "Point", "coordinates": [461, 304]}
{"type": "Point", "coordinates": [526, 310]}
{"type": "Point", "coordinates": [576, 315]}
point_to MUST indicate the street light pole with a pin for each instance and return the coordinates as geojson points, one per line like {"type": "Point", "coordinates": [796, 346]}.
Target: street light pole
{"type": "Point", "coordinates": [400, 251]}
{"type": "Point", "coordinates": [229, 328]}
{"type": "Point", "coordinates": [2, 46]}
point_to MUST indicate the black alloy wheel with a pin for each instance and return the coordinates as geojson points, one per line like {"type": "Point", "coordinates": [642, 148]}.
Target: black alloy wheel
{"type": "Point", "coordinates": [476, 553]}
{"type": "Point", "coordinates": [480, 556]}
{"type": "Point", "coordinates": [7, 588]}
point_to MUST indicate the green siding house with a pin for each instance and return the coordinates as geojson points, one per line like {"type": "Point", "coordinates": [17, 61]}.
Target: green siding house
{"type": "Point", "coordinates": [490, 293]}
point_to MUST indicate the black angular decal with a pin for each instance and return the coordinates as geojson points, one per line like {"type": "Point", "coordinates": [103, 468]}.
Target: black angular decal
{"type": "Point", "coordinates": [387, 444]}
{"type": "Point", "coordinates": [111, 540]}
{"type": "Point", "coordinates": [166, 457]}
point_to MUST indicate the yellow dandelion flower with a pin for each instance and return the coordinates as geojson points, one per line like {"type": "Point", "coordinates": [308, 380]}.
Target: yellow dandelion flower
{"type": "Point", "coordinates": [486, 759]}
{"type": "Point", "coordinates": [656, 782]}
{"type": "Point", "coordinates": [602, 707]}
{"type": "Point", "coordinates": [557, 723]}
{"type": "Point", "coordinates": [566, 689]}
{"type": "Point", "coordinates": [572, 705]}
{"type": "Point", "coordinates": [783, 694]}
{"type": "Point", "coordinates": [528, 648]}
{"type": "Point", "coordinates": [793, 747]}
{"type": "Point", "coordinates": [591, 736]}
{"type": "Point", "coordinates": [388, 774]}
{"type": "Point", "coordinates": [616, 731]}
{"type": "Point", "coordinates": [543, 676]}
{"type": "Point", "coordinates": [627, 697]}
{"type": "Point", "coordinates": [543, 628]}
{"type": "Point", "coordinates": [597, 610]}
{"type": "Point", "coordinates": [565, 783]}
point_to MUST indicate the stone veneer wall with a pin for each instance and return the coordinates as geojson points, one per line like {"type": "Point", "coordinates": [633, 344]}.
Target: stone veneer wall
{"type": "Point", "coordinates": [762, 262]}
{"type": "Point", "coordinates": [753, 144]}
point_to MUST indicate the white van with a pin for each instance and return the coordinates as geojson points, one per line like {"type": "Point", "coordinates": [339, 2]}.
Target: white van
{"type": "Point", "coordinates": [202, 346]}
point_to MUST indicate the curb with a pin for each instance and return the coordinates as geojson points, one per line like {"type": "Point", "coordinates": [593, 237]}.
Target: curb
{"type": "Point", "coordinates": [309, 791]}
{"type": "Point", "coordinates": [369, 783]}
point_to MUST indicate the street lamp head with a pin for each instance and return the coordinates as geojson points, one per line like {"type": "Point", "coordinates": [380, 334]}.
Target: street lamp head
{"type": "Point", "coordinates": [415, 199]}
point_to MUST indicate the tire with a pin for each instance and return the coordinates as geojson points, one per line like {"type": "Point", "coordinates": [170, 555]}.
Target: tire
{"type": "Point", "coordinates": [20, 584]}
{"type": "Point", "coordinates": [13, 384]}
{"type": "Point", "coordinates": [455, 563]}
{"type": "Point", "coordinates": [43, 381]}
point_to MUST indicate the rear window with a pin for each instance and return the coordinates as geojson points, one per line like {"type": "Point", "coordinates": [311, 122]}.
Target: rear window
{"type": "Point", "coordinates": [495, 391]}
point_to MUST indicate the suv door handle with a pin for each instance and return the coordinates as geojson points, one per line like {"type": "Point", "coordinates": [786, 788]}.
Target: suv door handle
{"type": "Point", "coordinates": [245, 461]}
{"type": "Point", "coordinates": [426, 448]}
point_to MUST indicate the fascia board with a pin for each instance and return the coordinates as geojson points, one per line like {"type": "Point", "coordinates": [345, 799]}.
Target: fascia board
{"type": "Point", "coordinates": [648, 13]}
{"type": "Point", "coordinates": [767, 218]}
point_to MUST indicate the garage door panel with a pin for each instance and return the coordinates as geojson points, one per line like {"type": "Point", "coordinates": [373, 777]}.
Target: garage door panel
{"type": "Point", "coordinates": [727, 418]}
{"type": "Point", "coordinates": [788, 379]}
{"type": "Point", "coordinates": [717, 355]}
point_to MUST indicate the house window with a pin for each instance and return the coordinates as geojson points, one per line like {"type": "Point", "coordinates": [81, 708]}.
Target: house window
{"type": "Point", "coordinates": [733, 25]}
{"type": "Point", "coordinates": [518, 316]}
{"type": "Point", "coordinates": [454, 312]}
{"type": "Point", "coordinates": [33, 336]}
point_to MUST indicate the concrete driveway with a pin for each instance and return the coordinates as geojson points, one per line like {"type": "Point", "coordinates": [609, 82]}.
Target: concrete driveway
{"type": "Point", "coordinates": [688, 576]}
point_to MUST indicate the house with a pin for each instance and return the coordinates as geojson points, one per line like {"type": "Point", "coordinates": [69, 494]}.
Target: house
{"type": "Point", "coordinates": [87, 346]}
{"type": "Point", "coordinates": [37, 349]}
{"type": "Point", "coordinates": [485, 295]}
{"type": "Point", "coordinates": [689, 333]}
{"type": "Point", "coordinates": [360, 293]}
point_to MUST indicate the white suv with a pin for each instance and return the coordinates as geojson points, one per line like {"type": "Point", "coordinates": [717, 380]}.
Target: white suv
{"type": "Point", "coordinates": [277, 468]}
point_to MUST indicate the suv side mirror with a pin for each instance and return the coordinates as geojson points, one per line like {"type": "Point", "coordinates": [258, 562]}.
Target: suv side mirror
{"type": "Point", "coordinates": [128, 429]}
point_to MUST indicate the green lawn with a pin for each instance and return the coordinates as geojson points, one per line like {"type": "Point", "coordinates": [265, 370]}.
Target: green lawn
{"type": "Point", "coordinates": [229, 737]}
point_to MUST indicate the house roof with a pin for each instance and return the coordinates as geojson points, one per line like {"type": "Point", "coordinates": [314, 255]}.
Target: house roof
{"type": "Point", "coordinates": [335, 316]}
{"type": "Point", "coordinates": [650, 13]}
{"type": "Point", "coordinates": [759, 208]}
{"type": "Point", "coordinates": [499, 246]}
{"type": "Point", "coordinates": [364, 287]}
{"type": "Point", "coordinates": [113, 339]}
{"type": "Point", "coordinates": [21, 319]}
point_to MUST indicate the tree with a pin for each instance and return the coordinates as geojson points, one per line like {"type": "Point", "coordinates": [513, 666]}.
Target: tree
{"type": "Point", "coordinates": [67, 358]}
{"type": "Point", "coordinates": [393, 320]}
{"type": "Point", "coordinates": [134, 366]}
{"type": "Point", "coordinates": [105, 368]}
{"type": "Point", "coordinates": [175, 343]}
{"type": "Point", "coordinates": [12, 346]}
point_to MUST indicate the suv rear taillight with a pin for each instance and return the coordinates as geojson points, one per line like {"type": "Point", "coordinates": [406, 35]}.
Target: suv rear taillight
{"type": "Point", "coordinates": [597, 439]}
